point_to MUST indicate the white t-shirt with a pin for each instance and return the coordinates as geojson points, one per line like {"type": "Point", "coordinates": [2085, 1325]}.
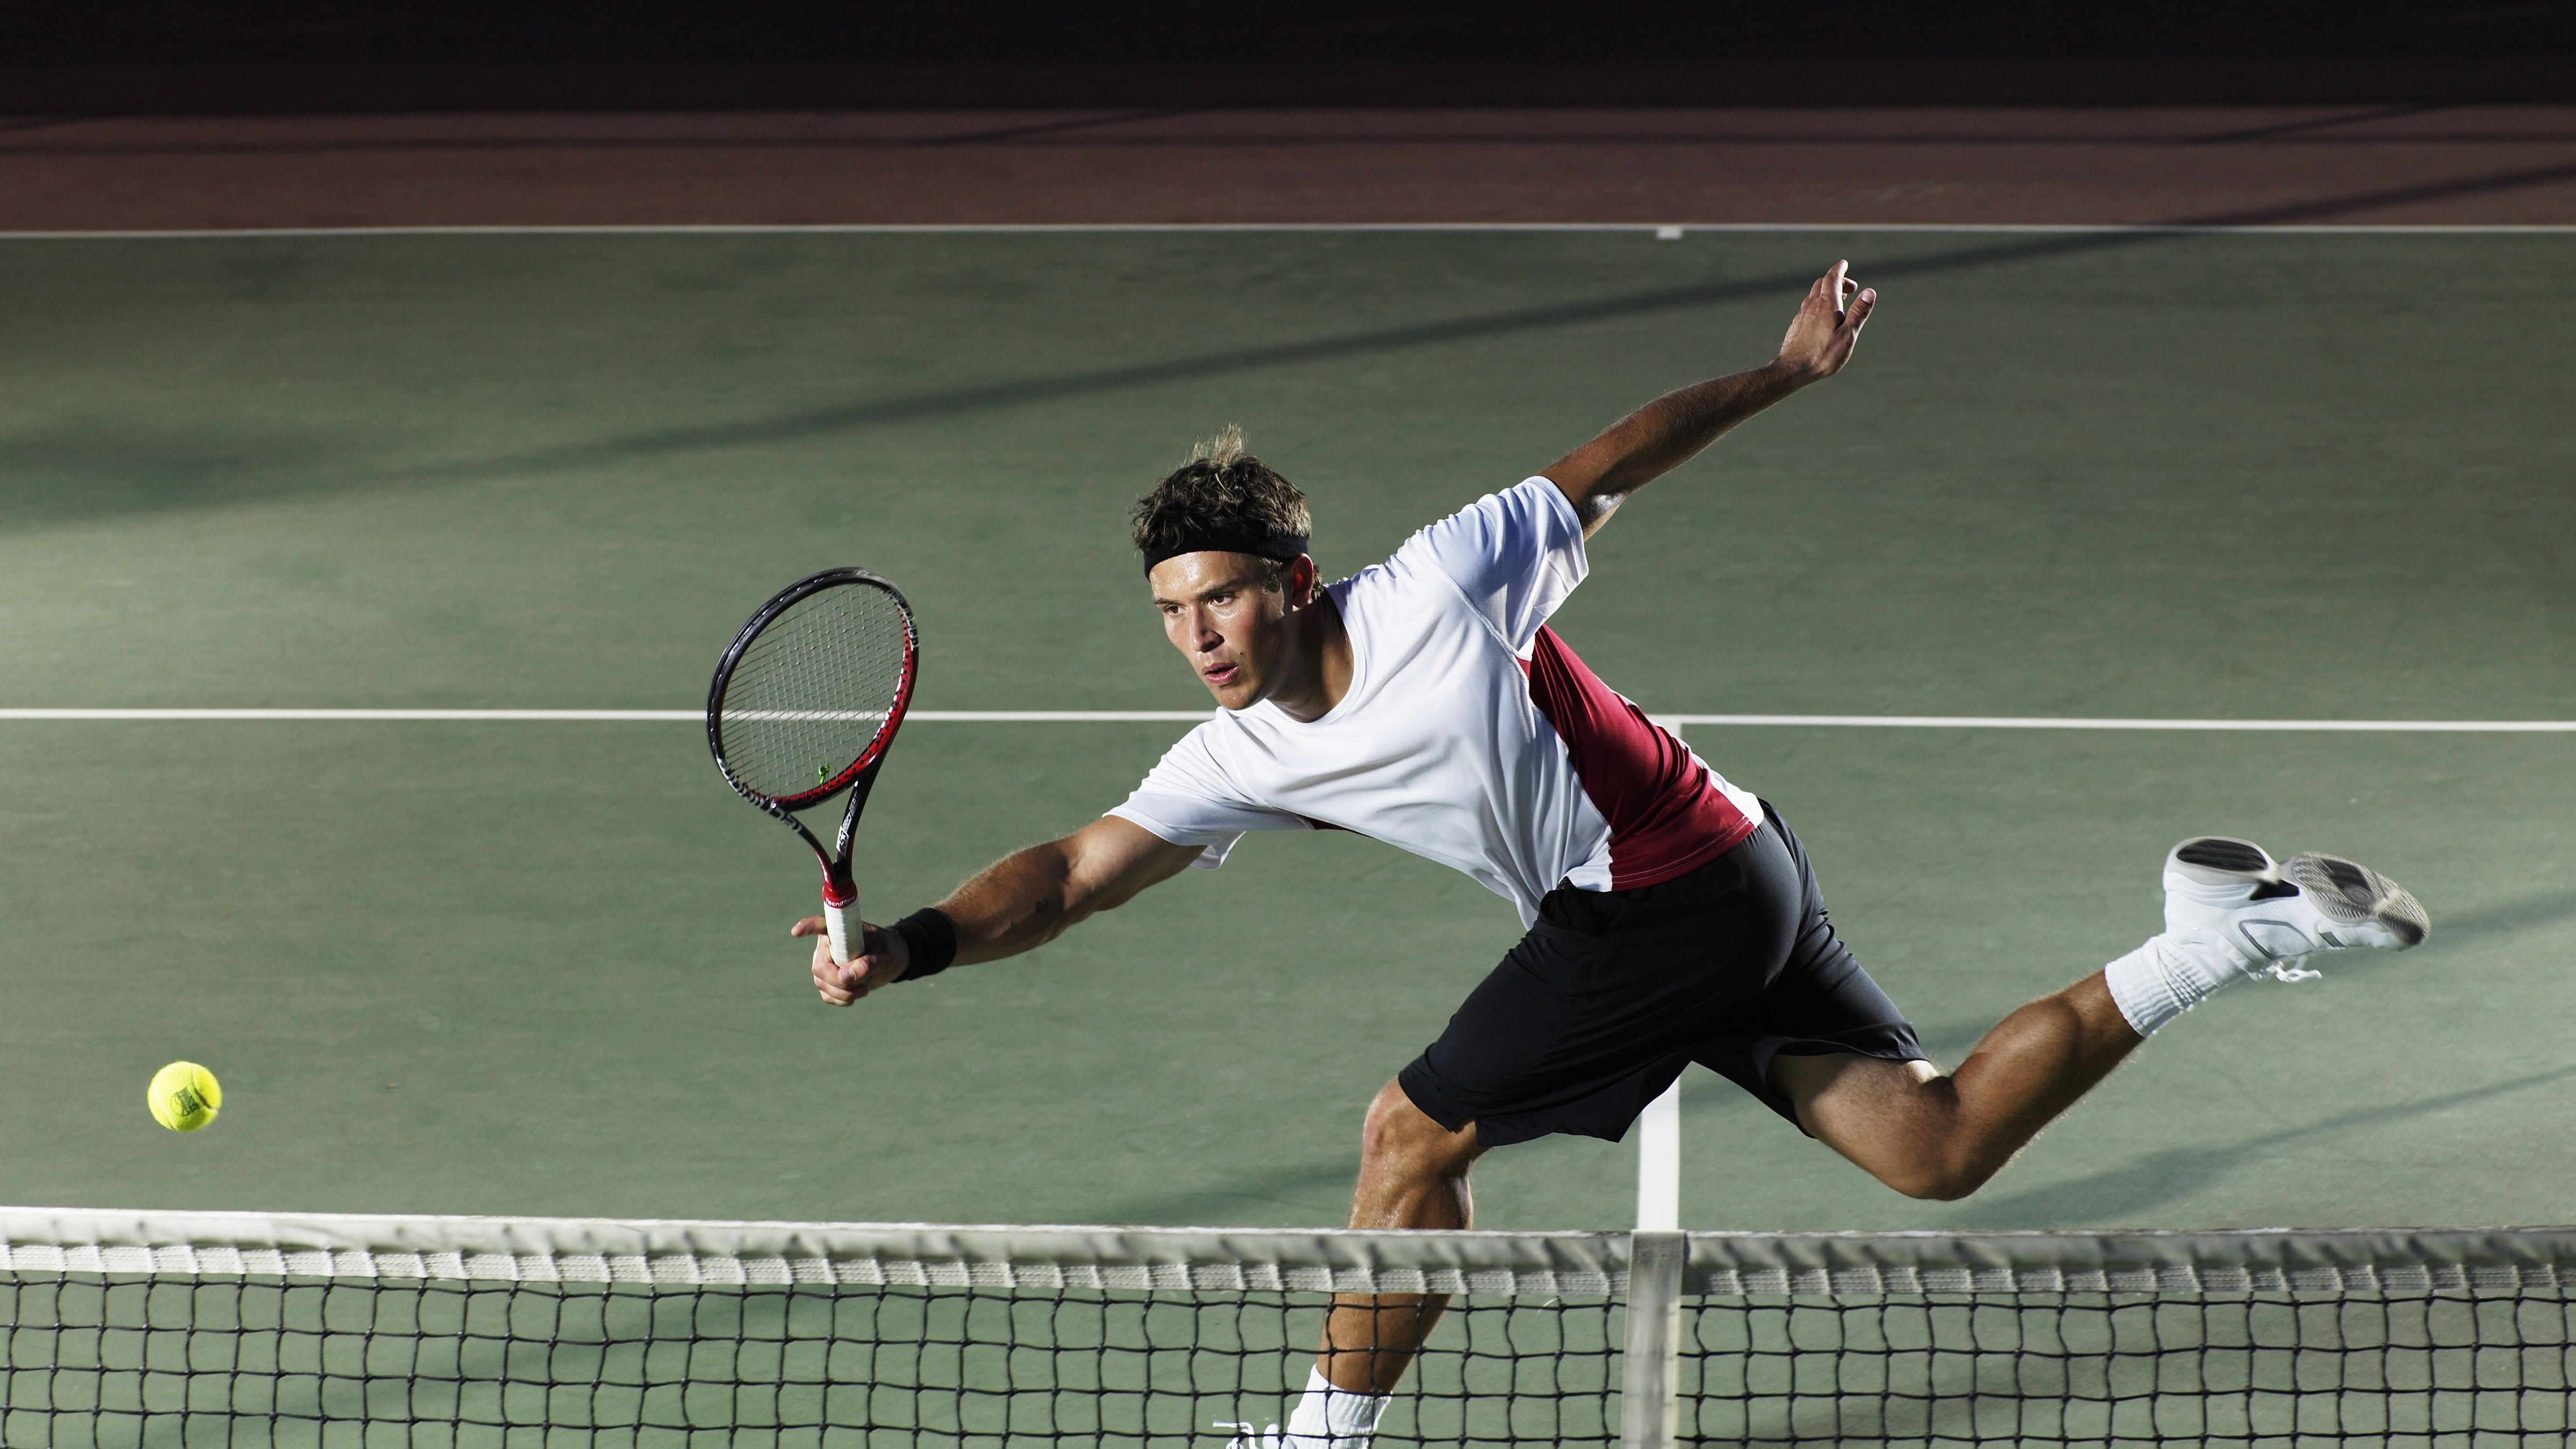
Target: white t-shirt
{"type": "Point", "coordinates": [1471, 735]}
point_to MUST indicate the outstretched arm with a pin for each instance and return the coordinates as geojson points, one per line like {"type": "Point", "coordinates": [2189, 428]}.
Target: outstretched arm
{"type": "Point", "coordinates": [1018, 903]}
{"type": "Point", "coordinates": [1668, 432]}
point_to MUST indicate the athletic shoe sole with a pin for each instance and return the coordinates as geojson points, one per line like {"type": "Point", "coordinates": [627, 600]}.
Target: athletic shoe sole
{"type": "Point", "coordinates": [2310, 901]}
{"type": "Point", "coordinates": [2355, 894]}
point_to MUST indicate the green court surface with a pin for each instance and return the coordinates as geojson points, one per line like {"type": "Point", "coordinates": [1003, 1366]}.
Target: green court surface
{"type": "Point", "coordinates": [539, 967]}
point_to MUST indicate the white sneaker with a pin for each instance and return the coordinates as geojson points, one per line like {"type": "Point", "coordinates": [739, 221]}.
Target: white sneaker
{"type": "Point", "coordinates": [2271, 915]}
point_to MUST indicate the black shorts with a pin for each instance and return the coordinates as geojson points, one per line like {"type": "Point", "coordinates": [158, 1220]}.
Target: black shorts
{"type": "Point", "coordinates": [1612, 993]}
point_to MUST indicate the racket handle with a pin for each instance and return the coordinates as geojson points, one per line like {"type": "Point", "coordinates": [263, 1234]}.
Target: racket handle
{"type": "Point", "coordinates": [849, 936]}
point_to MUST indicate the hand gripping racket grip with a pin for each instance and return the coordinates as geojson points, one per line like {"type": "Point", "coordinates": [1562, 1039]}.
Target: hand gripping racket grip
{"type": "Point", "coordinates": [841, 917]}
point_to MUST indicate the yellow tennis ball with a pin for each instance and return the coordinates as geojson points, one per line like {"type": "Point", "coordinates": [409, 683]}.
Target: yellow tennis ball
{"type": "Point", "coordinates": [184, 1096]}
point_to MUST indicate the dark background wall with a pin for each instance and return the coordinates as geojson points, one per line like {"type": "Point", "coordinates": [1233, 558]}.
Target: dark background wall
{"type": "Point", "coordinates": [290, 31]}
{"type": "Point", "coordinates": [581, 53]}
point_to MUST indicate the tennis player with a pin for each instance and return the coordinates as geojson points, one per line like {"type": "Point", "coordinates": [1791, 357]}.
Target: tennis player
{"type": "Point", "coordinates": [1672, 917]}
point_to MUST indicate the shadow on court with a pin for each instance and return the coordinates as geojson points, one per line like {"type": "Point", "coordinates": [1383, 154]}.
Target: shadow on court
{"type": "Point", "coordinates": [2485, 925]}
{"type": "Point", "coordinates": [63, 475]}
{"type": "Point", "coordinates": [1301, 1189]}
{"type": "Point", "coordinates": [2477, 927]}
{"type": "Point", "coordinates": [2173, 1174]}
{"type": "Point", "coordinates": [2170, 1175]}
{"type": "Point", "coordinates": [1785, 285]}
{"type": "Point", "coordinates": [2131, 1189]}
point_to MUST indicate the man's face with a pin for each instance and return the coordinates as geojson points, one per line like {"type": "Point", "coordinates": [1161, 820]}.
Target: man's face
{"type": "Point", "coordinates": [1230, 627]}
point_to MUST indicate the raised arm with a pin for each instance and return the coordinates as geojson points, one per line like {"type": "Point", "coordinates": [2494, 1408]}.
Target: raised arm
{"type": "Point", "coordinates": [1668, 432]}
{"type": "Point", "coordinates": [1018, 903]}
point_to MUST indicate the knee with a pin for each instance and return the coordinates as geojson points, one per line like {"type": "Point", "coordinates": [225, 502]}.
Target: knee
{"type": "Point", "coordinates": [1399, 1136]}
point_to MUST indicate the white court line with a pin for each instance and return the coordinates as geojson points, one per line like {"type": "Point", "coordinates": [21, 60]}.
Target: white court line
{"type": "Point", "coordinates": [1185, 716]}
{"type": "Point", "coordinates": [2053, 722]}
{"type": "Point", "coordinates": [359, 714]}
{"type": "Point", "coordinates": [1080, 227]}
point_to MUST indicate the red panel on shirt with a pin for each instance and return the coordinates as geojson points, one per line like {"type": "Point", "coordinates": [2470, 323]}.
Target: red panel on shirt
{"type": "Point", "coordinates": [1666, 817]}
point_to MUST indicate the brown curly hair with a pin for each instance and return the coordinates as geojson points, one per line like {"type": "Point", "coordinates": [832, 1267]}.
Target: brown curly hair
{"type": "Point", "coordinates": [1222, 491]}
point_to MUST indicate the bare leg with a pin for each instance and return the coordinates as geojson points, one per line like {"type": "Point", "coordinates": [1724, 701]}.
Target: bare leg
{"type": "Point", "coordinates": [1413, 1174]}
{"type": "Point", "coordinates": [1924, 1134]}
{"type": "Point", "coordinates": [1927, 1135]}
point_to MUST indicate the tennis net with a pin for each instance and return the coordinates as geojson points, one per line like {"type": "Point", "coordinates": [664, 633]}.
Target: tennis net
{"type": "Point", "coordinates": [143, 1329]}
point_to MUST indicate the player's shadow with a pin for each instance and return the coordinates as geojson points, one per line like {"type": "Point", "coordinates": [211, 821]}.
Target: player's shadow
{"type": "Point", "coordinates": [2473, 927]}
{"type": "Point", "coordinates": [2175, 1173]}
{"type": "Point", "coordinates": [2487, 924]}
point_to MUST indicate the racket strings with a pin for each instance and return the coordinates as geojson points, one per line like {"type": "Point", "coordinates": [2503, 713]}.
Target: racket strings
{"type": "Point", "coordinates": [814, 689]}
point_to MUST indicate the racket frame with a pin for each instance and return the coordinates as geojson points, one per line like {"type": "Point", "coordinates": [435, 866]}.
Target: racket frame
{"type": "Point", "coordinates": [840, 894]}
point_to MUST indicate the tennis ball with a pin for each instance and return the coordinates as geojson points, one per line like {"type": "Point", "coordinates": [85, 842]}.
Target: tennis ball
{"type": "Point", "coordinates": [183, 1096]}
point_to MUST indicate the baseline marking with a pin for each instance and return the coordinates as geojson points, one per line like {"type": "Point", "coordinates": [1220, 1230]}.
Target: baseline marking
{"type": "Point", "coordinates": [1184, 716]}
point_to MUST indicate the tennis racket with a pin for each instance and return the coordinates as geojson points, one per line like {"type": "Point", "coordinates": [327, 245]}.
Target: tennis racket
{"type": "Point", "coordinates": [804, 706]}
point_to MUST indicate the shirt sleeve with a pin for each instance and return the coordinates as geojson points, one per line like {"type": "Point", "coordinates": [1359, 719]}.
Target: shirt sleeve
{"type": "Point", "coordinates": [1187, 799]}
{"type": "Point", "coordinates": [1516, 555]}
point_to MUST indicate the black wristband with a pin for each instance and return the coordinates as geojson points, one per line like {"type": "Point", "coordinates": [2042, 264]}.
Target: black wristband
{"type": "Point", "coordinates": [930, 938]}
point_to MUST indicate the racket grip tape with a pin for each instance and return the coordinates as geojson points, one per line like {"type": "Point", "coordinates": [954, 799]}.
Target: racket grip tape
{"type": "Point", "coordinates": [849, 935]}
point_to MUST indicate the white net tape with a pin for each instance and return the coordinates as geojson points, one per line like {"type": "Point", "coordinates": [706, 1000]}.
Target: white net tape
{"type": "Point", "coordinates": [2366, 1262]}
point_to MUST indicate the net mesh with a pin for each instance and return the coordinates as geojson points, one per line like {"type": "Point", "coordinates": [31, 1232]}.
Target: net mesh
{"type": "Point", "coordinates": [223, 1329]}
{"type": "Point", "coordinates": [812, 689]}
{"type": "Point", "coordinates": [2273, 1367]}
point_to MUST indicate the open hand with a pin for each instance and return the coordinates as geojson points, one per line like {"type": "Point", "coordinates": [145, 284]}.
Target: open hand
{"type": "Point", "coordinates": [880, 964]}
{"type": "Point", "coordinates": [1827, 327]}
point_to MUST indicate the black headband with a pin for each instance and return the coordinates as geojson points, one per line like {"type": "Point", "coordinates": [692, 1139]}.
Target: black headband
{"type": "Point", "coordinates": [1285, 550]}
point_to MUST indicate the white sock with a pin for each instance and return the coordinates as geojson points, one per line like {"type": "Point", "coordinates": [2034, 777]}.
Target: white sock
{"type": "Point", "coordinates": [1331, 1418]}
{"type": "Point", "coordinates": [2168, 976]}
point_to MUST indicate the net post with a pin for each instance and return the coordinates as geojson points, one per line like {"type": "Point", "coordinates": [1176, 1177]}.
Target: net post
{"type": "Point", "coordinates": [1650, 1397]}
